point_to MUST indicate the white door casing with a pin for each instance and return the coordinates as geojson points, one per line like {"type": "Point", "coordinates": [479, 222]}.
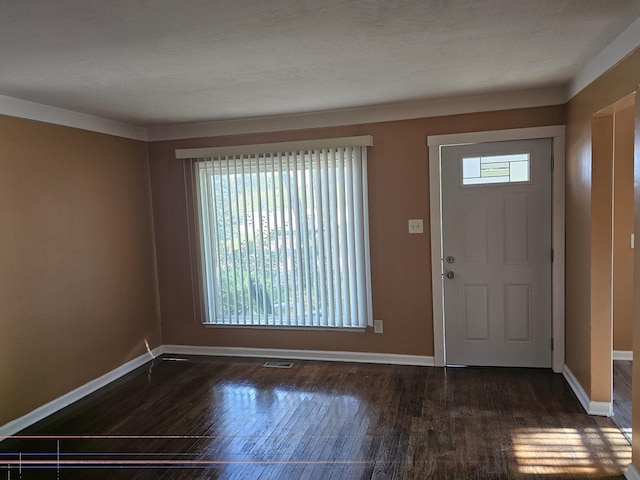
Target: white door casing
{"type": "Point", "coordinates": [436, 143]}
{"type": "Point", "coordinates": [497, 246]}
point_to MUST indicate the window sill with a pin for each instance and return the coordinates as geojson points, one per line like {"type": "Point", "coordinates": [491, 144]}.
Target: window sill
{"type": "Point", "coordinates": [287, 327]}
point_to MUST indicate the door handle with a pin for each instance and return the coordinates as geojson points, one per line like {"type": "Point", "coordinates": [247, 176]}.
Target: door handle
{"type": "Point", "coordinates": [451, 274]}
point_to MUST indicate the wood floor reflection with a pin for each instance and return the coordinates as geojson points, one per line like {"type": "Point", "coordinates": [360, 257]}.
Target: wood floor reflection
{"type": "Point", "coordinates": [217, 418]}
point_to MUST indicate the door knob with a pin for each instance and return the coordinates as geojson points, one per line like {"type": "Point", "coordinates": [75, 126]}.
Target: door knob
{"type": "Point", "coordinates": [450, 259]}
{"type": "Point", "coordinates": [451, 274]}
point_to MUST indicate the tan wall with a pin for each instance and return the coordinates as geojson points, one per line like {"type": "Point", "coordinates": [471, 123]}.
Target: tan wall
{"type": "Point", "coordinates": [401, 268]}
{"type": "Point", "coordinates": [635, 402]}
{"type": "Point", "coordinates": [585, 354]}
{"type": "Point", "coordinates": [601, 251]}
{"type": "Point", "coordinates": [624, 125]}
{"type": "Point", "coordinates": [78, 295]}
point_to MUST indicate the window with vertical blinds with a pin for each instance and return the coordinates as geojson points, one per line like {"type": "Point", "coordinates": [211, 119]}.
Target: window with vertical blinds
{"type": "Point", "coordinates": [283, 234]}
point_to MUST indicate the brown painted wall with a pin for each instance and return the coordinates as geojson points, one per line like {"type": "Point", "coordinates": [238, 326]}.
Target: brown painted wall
{"type": "Point", "coordinates": [624, 125]}
{"type": "Point", "coordinates": [589, 364]}
{"type": "Point", "coordinates": [401, 267]}
{"type": "Point", "coordinates": [78, 293]}
{"type": "Point", "coordinates": [601, 250]}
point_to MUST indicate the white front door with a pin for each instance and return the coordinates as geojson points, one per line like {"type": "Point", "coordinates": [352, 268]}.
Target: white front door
{"type": "Point", "coordinates": [496, 228]}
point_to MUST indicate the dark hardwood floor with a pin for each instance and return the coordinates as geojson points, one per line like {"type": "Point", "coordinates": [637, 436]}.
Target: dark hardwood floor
{"type": "Point", "coordinates": [216, 418]}
{"type": "Point", "coordinates": [622, 395]}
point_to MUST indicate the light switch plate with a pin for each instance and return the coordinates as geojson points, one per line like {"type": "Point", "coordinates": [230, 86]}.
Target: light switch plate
{"type": "Point", "coordinates": [415, 225]}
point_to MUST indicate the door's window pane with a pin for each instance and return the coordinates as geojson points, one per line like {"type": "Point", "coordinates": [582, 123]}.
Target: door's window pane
{"type": "Point", "coordinates": [471, 167]}
{"type": "Point", "coordinates": [509, 168]}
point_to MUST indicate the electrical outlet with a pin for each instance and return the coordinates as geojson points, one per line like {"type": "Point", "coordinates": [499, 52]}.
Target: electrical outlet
{"type": "Point", "coordinates": [377, 326]}
{"type": "Point", "coordinates": [415, 225]}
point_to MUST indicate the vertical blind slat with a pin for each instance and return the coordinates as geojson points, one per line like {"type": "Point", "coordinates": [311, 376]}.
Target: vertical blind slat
{"type": "Point", "coordinates": [269, 178]}
{"type": "Point", "coordinates": [313, 173]}
{"type": "Point", "coordinates": [335, 247]}
{"type": "Point", "coordinates": [351, 270]}
{"type": "Point", "coordinates": [277, 290]}
{"type": "Point", "coordinates": [285, 240]}
{"type": "Point", "coordinates": [205, 253]}
{"type": "Point", "coordinates": [211, 219]}
{"type": "Point", "coordinates": [243, 219]}
{"type": "Point", "coordinates": [365, 231]}
{"type": "Point", "coordinates": [320, 260]}
{"type": "Point", "coordinates": [234, 220]}
{"type": "Point", "coordinates": [262, 285]}
{"type": "Point", "coordinates": [328, 259]}
{"type": "Point", "coordinates": [359, 256]}
{"type": "Point", "coordinates": [296, 240]}
{"type": "Point", "coordinates": [227, 263]}
{"type": "Point", "coordinates": [254, 283]}
{"type": "Point", "coordinates": [305, 238]}
{"type": "Point", "coordinates": [343, 230]}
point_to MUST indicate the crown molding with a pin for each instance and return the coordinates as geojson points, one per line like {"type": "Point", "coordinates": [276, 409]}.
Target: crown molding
{"type": "Point", "coordinates": [505, 100]}
{"type": "Point", "coordinates": [623, 45]}
{"type": "Point", "coordinates": [14, 107]}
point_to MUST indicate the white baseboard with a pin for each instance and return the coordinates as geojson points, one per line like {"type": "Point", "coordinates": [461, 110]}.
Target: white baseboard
{"type": "Point", "coordinates": [632, 473]}
{"type": "Point", "coordinates": [332, 356]}
{"type": "Point", "coordinates": [623, 355]}
{"type": "Point", "coordinates": [601, 409]}
{"type": "Point", "coordinates": [14, 426]}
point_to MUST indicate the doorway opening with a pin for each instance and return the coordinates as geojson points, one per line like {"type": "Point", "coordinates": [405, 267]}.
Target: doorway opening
{"type": "Point", "coordinates": [613, 130]}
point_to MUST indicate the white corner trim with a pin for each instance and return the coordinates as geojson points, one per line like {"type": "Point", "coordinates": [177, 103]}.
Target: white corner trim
{"type": "Point", "coordinates": [623, 355]}
{"type": "Point", "coordinates": [558, 231]}
{"type": "Point", "coordinates": [632, 473]}
{"type": "Point", "coordinates": [14, 426]}
{"type": "Point", "coordinates": [506, 100]}
{"type": "Point", "coordinates": [14, 107]}
{"type": "Point", "coordinates": [323, 355]}
{"type": "Point", "coordinates": [622, 46]}
{"type": "Point", "coordinates": [602, 409]}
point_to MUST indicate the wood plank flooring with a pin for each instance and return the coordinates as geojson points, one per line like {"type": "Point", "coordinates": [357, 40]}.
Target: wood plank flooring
{"type": "Point", "coordinates": [217, 418]}
{"type": "Point", "coordinates": [622, 394]}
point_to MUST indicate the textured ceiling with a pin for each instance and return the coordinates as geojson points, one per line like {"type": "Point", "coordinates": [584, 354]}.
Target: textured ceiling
{"type": "Point", "coordinates": [155, 62]}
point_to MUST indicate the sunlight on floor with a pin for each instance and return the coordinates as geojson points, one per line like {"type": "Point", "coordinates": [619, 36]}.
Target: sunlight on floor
{"type": "Point", "coordinates": [548, 451]}
{"type": "Point", "coordinates": [627, 432]}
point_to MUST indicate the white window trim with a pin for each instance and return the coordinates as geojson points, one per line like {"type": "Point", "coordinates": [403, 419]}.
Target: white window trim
{"type": "Point", "coordinates": [435, 143]}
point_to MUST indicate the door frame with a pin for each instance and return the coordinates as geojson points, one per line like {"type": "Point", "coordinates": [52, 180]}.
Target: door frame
{"type": "Point", "coordinates": [435, 144]}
